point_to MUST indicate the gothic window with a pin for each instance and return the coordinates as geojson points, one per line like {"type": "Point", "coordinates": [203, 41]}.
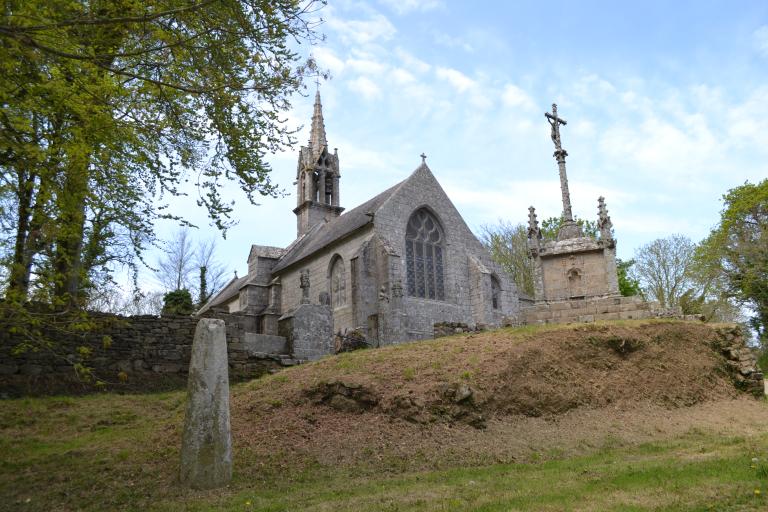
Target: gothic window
{"type": "Point", "coordinates": [338, 283]}
{"type": "Point", "coordinates": [495, 292]}
{"type": "Point", "coordinates": [424, 256]}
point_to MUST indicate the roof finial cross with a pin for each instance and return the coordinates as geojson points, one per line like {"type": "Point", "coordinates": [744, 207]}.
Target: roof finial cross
{"type": "Point", "coordinates": [423, 158]}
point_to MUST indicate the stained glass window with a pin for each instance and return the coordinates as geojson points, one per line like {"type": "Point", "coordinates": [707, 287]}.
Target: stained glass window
{"type": "Point", "coordinates": [424, 256]}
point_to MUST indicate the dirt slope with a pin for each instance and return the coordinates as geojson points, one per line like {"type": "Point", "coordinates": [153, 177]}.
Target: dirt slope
{"type": "Point", "coordinates": [494, 394]}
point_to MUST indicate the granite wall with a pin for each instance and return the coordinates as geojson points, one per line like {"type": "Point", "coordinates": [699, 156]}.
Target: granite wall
{"type": "Point", "coordinates": [134, 353]}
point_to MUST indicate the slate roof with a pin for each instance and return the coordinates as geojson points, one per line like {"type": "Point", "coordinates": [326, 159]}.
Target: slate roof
{"type": "Point", "coordinates": [266, 251]}
{"type": "Point", "coordinates": [325, 233]}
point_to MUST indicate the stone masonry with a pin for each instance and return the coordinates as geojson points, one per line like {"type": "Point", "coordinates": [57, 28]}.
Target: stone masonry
{"type": "Point", "coordinates": [308, 329]}
{"type": "Point", "coordinates": [146, 350]}
{"type": "Point", "coordinates": [592, 310]}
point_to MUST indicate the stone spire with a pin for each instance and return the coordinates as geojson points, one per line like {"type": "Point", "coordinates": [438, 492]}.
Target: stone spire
{"type": "Point", "coordinates": [317, 136]}
{"type": "Point", "coordinates": [604, 220]}
{"type": "Point", "coordinates": [533, 224]}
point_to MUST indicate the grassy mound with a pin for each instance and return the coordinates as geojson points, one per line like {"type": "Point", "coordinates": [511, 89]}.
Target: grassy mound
{"type": "Point", "coordinates": [417, 401]}
{"type": "Point", "coordinates": [531, 372]}
{"type": "Point", "coordinates": [636, 415]}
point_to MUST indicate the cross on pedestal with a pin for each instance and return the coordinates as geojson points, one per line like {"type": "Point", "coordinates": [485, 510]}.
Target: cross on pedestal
{"type": "Point", "coordinates": [555, 121]}
{"type": "Point", "coordinates": [423, 158]}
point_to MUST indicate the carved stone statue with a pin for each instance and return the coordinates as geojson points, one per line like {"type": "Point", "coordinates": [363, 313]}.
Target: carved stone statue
{"type": "Point", "coordinates": [397, 290]}
{"type": "Point", "coordinates": [304, 285]}
{"type": "Point", "coordinates": [383, 295]}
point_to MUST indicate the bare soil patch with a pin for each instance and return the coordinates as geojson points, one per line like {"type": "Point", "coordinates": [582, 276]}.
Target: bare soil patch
{"type": "Point", "coordinates": [499, 396]}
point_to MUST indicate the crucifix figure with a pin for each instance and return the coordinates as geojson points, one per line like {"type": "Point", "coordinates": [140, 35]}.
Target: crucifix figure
{"type": "Point", "coordinates": [555, 122]}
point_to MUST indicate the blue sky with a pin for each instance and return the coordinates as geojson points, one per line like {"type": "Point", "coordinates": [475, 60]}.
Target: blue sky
{"type": "Point", "coordinates": [665, 102]}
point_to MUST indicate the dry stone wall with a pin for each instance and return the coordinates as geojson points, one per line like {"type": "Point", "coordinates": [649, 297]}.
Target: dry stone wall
{"type": "Point", "coordinates": [133, 353]}
{"type": "Point", "coordinates": [741, 360]}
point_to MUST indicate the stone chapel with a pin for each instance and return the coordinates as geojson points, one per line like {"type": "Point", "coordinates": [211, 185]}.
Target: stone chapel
{"type": "Point", "coordinates": [390, 268]}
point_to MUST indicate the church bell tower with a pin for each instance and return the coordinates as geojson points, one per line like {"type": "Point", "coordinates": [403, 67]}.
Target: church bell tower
{"type": "Point", "coordinates": [317, 177]}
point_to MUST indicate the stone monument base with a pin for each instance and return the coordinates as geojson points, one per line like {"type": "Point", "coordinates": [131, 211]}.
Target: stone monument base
{"type": "Point", "coordinates": [591, 309]}
{"type": "Point", "coordinates": [309, 331]}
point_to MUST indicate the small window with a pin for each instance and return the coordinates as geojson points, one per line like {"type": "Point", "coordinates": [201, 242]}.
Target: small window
{"type": "Point", "coordinates": [495, 292]}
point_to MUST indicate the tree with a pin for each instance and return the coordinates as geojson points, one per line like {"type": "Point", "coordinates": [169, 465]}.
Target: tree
{"type": "Point", "coordinates": [551, 225]}
{"type": "Point", "coordinates": [628, 286]}
{"type": "Point", "coordinates": [736, 251]}
{"type": "Point", "coordinates": [508, 245]}
{"type": "Point", "coordinates": [111, 298]}
{"type": "Point", "coordinates": [187, 265]}
{"type": "Point", "coordinates": [176, 266]}
{"type": "Point", "coordinates": [212, 275]}
{"type": "Point", "coordinates": [663, 268]}
{"type": "Point", "coordinates": [106, 105]}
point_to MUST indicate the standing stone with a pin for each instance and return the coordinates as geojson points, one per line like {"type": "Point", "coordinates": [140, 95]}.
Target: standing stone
{"type": "Point", "coordinates": [206, 444]}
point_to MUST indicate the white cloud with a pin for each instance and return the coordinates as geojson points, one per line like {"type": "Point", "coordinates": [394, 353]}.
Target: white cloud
{"type": "Point", "coordinates": [402, 76]}
{"type": "Point", "coordinates": [661, 147]}
{"type": "Point", "coordinates": [760, 40]}
{"type": "Point", "coordinates": [592, 88]}
{"type": "Point", "coordinates": [411, 62]}
{"type": "Point", "coordinates": [456, 78]}
{"type": "Point", "coordinates": [406, 6]}
{"type": "Point", "coordinates": [747, 123]}
{"type": "Point", "coordinates": [327, 59]}
{"type": "Point", "coordinates": [584, 128]}
{"type": "Point", "coordinates": [378, 27]}
{"type": "Point", "coordinates": [366, 66]}
{"type": "Point", "coordinates": [366, 87]}
{"type": "Point", "coordinates": [651, 225]}
{"type": "Point", "coordinates": [444, 39]}
{"type": "Point", "coordinates": [513, 96]}
{"type": "Point", "coordinates": [544, 195]}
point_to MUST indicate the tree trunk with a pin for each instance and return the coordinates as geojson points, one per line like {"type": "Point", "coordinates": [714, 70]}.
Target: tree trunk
{"type": "Point", "coordinates": [68, 241]}
{"type": "Point", "coordinates": [18, 285]}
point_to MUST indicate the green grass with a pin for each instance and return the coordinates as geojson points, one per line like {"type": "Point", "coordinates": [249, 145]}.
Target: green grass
{"type": "Point", "coordinates": [696, 472]}
{"type": "Point", "coordinates": [111, 452]}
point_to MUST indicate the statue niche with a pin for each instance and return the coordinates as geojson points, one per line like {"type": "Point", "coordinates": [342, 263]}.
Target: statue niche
{"type": "Point", "coordinates": [575, 283]}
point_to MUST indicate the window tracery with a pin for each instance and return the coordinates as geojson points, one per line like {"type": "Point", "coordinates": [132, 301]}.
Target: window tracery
{"type": "Point", "coordinates": [424, 254]}
{"type": "Point", "coordinates": [338, 283]}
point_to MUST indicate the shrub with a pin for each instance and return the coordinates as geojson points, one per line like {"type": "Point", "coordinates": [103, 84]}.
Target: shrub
{"type": "Point", "coordinates": [178, 302]}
